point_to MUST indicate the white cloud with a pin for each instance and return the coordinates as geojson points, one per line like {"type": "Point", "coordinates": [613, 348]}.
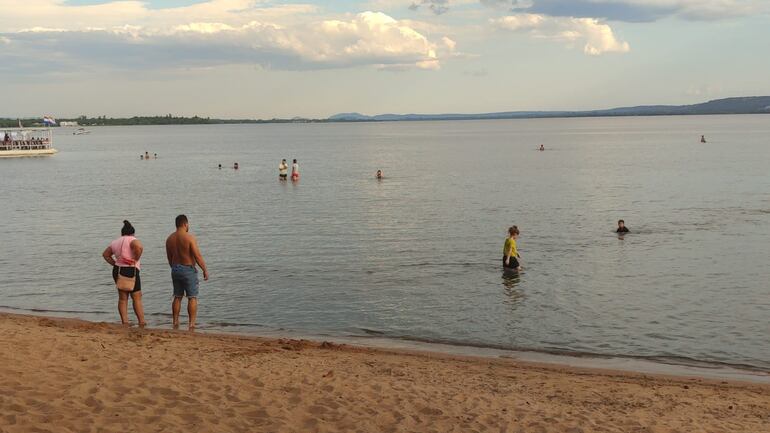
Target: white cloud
{"type": "Point", "coordinates": [449, 43]}
{"type": "Point", "coordinates": [128, 34]}
{"type": "Point", "coordinates": [597, 38]}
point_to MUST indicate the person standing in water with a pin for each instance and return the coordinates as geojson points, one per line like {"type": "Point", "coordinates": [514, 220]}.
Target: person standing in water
{"type": "Point", "coordinates": [542, 148]}
{"type": "Point", "coordinates": [183, 255]}
{"type": "Point", "coordinates": [283, 170]}
{"type": "Point", "coordinates": [295, 171]}
{"type": "Point", "coordinates": [123, 254]}
{"type": "Point", "coordinates": [510, 252]}
{"type": "Point", "coordinates": [702, 138]}
{"type": "Point", "coordinates": [379, 175]}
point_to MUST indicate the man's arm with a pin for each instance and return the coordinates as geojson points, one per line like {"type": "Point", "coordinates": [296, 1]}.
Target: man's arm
{"type": "Point", "coordinates": [196, 253]}
{"type": "Point", "coordinates": [168, 250]}
{"type": "Point", "coordinates": [107, 255]}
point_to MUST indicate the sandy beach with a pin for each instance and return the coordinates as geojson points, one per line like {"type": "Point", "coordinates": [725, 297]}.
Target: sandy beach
{"type": "Point", "coordinates": [63, 375]}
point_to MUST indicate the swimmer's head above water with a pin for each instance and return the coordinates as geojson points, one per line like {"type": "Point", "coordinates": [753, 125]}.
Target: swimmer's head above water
{"type": "Point", "coordinates": [622, 227]}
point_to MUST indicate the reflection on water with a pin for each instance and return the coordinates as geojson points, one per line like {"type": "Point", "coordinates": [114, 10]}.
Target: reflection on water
{"type": "Point", "coordinates": [513, 295]}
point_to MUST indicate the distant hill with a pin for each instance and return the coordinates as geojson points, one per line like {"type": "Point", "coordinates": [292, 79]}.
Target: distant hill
{"type": "Point", "coordinates": [745, 105]}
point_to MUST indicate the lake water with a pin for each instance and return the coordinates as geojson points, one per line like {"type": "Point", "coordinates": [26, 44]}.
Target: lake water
{"type": "Point", "coordinates": [417, 255]}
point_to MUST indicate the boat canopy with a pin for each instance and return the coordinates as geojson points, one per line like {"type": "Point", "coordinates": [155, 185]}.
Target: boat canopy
{"type": "Point", "coordinates": [25, 138]}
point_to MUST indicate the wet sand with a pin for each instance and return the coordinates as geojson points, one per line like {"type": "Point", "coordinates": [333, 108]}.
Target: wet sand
{"type": "Point", "coordinates": [64, 375]}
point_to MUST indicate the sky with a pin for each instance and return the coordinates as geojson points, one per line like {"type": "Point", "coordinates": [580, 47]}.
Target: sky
{"type": "Point", "coordinates": [312, 58]}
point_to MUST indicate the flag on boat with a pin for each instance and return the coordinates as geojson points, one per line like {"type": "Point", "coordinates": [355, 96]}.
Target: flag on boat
{"type": "Point", "coordinates": [49, 121]}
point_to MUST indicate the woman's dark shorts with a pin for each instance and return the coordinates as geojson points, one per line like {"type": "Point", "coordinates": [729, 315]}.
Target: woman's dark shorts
{"type": "Point", "coordinates": [513, 264]}
{"type": "Point", "coordinates": [128, 271]}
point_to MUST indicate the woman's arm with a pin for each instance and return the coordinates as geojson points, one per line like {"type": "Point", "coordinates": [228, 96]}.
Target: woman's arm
{"type": "Point", "coordinates": [107, 255]}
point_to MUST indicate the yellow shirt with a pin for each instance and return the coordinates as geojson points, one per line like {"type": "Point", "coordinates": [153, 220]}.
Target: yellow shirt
{"type": "Point", "coordinates": [510, 247]}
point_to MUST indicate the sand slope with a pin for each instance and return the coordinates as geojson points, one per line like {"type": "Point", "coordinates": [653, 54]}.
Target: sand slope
{"type": "Point", "coordinates": [72, 376]}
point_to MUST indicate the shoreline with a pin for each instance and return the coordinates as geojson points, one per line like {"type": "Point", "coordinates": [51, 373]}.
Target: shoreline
{"type": "Point", "coordinates": [686, 368]}
{"type": "Point", "coordinates": [72, 375]}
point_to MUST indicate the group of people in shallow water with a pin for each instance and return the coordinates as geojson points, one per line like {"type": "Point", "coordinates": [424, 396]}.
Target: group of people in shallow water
{"type": "Point", "coordinates": [147, 156]}
{"type": "Point", "coordinates": [283, 170]}
{"type": "Point", "coordinates": [184, 257]}
{"type": "Point", "coordinates": [511, 256]}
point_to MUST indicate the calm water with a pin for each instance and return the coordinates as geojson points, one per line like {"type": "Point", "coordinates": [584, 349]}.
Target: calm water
{"type": "Point", "coordinates": [417, 255]}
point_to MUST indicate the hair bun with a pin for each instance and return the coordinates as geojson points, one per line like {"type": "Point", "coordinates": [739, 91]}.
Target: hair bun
{"type": "Point", "coordinates": [127, 229]}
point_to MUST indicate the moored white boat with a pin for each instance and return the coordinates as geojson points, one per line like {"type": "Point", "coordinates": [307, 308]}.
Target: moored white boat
{"type": "Point", "coordinates": [18, 142]}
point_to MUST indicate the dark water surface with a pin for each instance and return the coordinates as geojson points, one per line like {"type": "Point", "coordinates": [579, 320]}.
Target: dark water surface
{"type": "Point", "coordinates": [417, 255]}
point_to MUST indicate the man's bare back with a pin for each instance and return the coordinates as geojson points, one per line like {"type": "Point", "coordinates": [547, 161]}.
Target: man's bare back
{"type": "Point", "coordinates": [179, 249]}
{"type": "Point", "coordinates": [182, 249]}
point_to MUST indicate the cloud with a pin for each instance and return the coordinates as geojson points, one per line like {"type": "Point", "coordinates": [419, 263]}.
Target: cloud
{"type": "Point", "coordinates": [18, 14]}
{"type": "Point", "coordinates": [438, 7]}
{"type": "Point", "coordinates": [704, 90]}
{"type": "Point", "coordinates": [597, 38]}
{"type": "Point", "coordinates": [476, 73]}
{"type": "Point", "coordinates": [235, 32]}
{"type": "Point", "coordinates": [636, 10]}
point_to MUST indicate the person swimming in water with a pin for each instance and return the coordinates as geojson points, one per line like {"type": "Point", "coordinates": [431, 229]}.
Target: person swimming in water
{"type": "Point", "coordinates": [542, 148]}
{"type": "Point", "coordinates": [235, 166]}
{"type": "Point", "coordinates": [510, 252]}
{"type": "Point", "coordinates": [622, 227]}
{"type": "Point", "coordinates": [379, 174]}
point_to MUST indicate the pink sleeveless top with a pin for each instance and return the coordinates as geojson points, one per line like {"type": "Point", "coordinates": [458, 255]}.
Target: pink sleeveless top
{"type": "Point", "coordinates": [121, 249]}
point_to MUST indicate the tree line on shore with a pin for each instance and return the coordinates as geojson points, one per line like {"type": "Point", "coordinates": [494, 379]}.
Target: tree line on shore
{"type": "Point", "coordinates": [145, 120]}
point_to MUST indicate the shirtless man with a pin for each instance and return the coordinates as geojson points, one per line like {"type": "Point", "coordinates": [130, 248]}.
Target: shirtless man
{"type": "Point", "coordinates": [183, 254]}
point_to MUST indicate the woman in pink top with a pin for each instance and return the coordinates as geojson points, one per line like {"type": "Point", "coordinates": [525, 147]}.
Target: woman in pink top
{"type": "Point", "coordinates": [123, 254]}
